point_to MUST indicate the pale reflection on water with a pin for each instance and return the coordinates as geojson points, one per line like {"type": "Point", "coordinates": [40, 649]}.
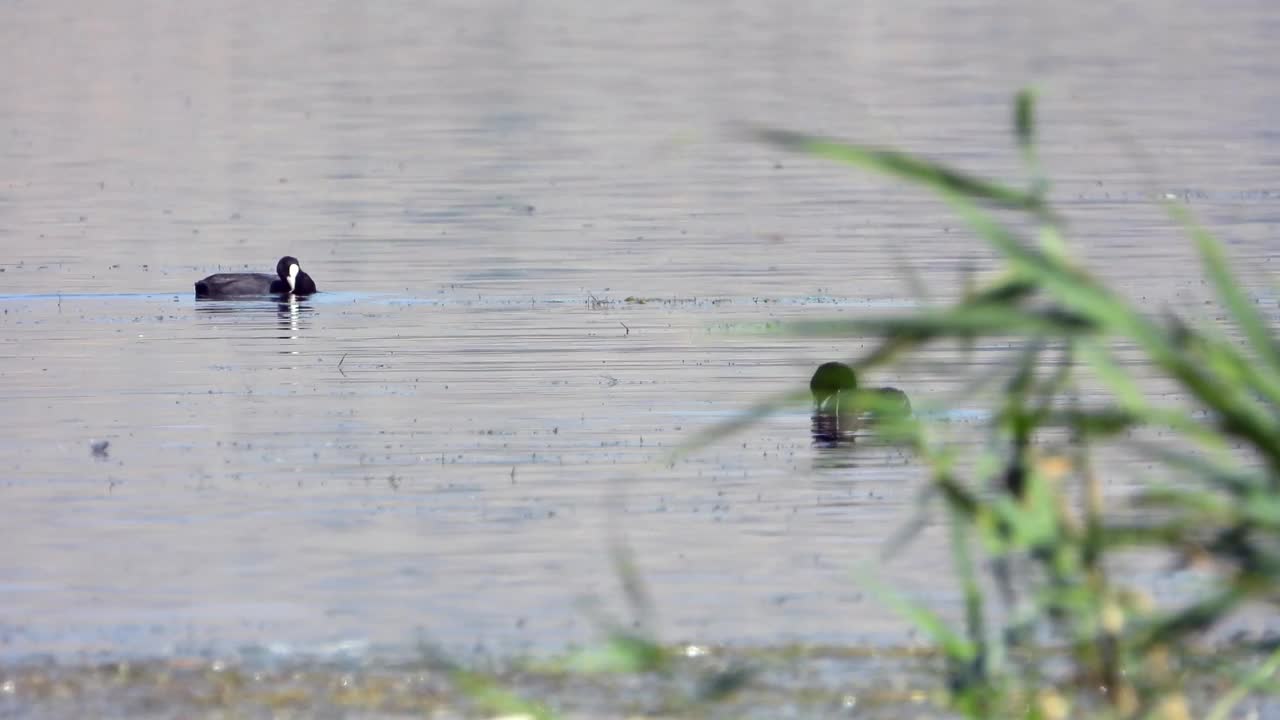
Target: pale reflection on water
{"type": "Point", "coordinates": [535, 231]}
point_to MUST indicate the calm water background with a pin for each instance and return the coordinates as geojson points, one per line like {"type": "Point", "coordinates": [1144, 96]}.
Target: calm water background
{"type": "Point", "coordinates": [444, 443]}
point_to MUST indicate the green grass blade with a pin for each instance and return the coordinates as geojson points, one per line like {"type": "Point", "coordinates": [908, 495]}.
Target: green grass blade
{"type": "Point", "coordinates": [1222, 709]}
{"type": "Point", "coordinates": [1130, 397]}
{"type": "Point", "coordinates": [1244, 312]}
{"type": "Point", "coordinates": [975, 616]}
{"type": "Point", "coordinates": [1234, 368]}
{"type": "Point", "coordinates": [905, 167]}
{"type": "Point", "coordinates": [1192, 619]}
{"type": "Point", "coordinates": [1024, 119]}
{"type": "Point", "coordinates": [932, 625]}
{"type": "Point", "coordinates": [1024, 127]}
{"type": "Point", "coordinates": [1216, 473]}
{"type": "Point", "coordinates": [1076, 290]}
{"type": "Point", "coordinates": [962, 321]}
{"type": "Point", "coordinates": [1208, 508]}
{"type": "Point", "coordinates": [492, 697]}
{"type": "Point", "coordinates": [622, 653]}
{"type": "Point", "coordinates": [1166, 347]}
{"type": "Point", "coordinates": [639, 602]}
{"type": "Point", "coordinates": [1127, 393]}
{"type": "Point", "coordinates": [1100, 423]}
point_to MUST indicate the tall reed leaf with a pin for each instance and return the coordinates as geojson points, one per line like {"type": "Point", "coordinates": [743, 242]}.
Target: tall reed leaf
{"type": "Point", "coordinates": [906, 167]}
{"type": "Point", "coordinates": [1243, 312]}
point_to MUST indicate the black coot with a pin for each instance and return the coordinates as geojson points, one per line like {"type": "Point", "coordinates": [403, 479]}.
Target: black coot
{"type": "Point", "coordinates": [834, 386]}
{"type": "Point", "coordinates": [289, 280]}
{"type": "Point", "coordinates": [828, 382]}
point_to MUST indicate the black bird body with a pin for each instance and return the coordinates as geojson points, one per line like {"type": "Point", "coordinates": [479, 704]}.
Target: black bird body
{"type": "Point", "coordinates": [840, 408]}
{"type": "Point", "coordinates": [288, 280]}
{"type": "Point", "coordinates": [835, 385]}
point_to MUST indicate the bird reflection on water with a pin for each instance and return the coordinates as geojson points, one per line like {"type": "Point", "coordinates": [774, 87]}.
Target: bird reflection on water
{"type": "Point", "coordinates": [292, 315]}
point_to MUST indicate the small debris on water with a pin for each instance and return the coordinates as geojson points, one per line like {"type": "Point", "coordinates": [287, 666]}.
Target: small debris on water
{"type": "Point", "coordinates": [98, 448]}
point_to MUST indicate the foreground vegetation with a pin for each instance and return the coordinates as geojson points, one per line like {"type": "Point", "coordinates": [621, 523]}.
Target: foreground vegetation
{"type": "Point", "coordinates": [1051, 628]}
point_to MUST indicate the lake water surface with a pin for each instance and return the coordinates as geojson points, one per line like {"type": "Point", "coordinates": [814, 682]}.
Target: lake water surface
{"type": "Point", "coordinates": [538, 236]}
